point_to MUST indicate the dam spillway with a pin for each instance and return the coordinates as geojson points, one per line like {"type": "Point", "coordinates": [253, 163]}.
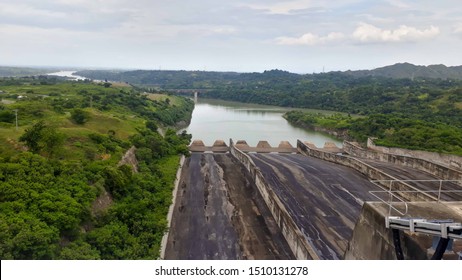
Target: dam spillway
{"type": "Point", "coordinates": [306, 202]}
{"type": "Point", "coordinates": [219, 215]}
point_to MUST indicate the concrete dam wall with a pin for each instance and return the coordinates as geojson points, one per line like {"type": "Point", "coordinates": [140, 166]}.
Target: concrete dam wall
{"type": "Point", "coordinates": [373, 241]}
{"type": "Point", "coordinates": [437, 169]}
{"type": "Point", "coordinates": [405, 190]}
{"type": "Point", "coordinates": [451, 161]}
{"type": "Point", "coordinates": [294, 237]}
{"type": "Point", "coordinates": [317, 204]}
{"type": "Point", "coordinates": [218, 214]}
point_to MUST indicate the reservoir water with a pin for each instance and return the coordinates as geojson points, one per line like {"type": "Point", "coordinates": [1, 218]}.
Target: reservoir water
{"type": "Point", "coordinates": [217, 119]}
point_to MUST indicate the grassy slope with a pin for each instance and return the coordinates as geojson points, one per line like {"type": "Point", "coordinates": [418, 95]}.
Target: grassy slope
{"type": "Point", "coordinates": [35, 106]}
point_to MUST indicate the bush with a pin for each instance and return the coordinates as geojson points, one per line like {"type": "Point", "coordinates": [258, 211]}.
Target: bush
{"type": "Point", "coordinates": [79, 116]}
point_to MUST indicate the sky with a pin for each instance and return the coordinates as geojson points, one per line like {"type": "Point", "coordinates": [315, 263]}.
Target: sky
{"type": "Point", "coordinates": [301, 36]}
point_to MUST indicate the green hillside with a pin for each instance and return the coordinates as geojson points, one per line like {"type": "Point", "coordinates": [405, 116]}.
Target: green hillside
{"type": "Point", "coordinates": [411, 71]}
{"type": "Point", "coordinates": [63, 194]}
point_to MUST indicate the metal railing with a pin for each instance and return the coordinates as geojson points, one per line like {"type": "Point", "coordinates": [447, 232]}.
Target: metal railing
{"type": "Point", "coordinates": [400, 200]}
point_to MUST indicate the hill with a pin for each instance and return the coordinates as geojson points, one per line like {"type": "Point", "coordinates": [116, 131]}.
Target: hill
{"type": "Point", "coordinates": [207, 80]}
{"type": "Point", "coordinates": [410, 71]}
{"type": "Point", "coordinates": [64, 193]}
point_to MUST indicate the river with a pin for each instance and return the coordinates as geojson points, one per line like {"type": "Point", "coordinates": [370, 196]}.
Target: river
{"type": "Point", "coordinates": [67, 74]}
{"type": "Point", "coordinates": [217, 119]}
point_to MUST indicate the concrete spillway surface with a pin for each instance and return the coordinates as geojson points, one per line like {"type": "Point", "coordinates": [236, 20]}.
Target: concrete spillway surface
{"type": "Point", "coordinates": [324, 199]}
{"type": "Point", "coordinates": [408, 173]}
{"type": "Point", "coordinates": [219, 214]}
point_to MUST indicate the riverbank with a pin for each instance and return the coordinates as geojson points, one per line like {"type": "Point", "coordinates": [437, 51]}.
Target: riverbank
{"type": "Point", "coordinates": [334, 124]}
{"type": "Point", "coordinates": [390, 130]}
{"type": "Point", "coordinates": [214, 120]}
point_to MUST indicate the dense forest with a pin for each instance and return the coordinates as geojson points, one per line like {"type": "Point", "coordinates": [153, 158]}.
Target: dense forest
{"type": "Point", "coordinates": [64, 192]}
{"type": "Point", "coordinates": [392, 130]}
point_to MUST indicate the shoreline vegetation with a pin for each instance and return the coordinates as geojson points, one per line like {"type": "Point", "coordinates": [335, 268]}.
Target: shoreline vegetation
{"type": "Point", "coordinates": [63, 193]}
{"type": "Point", "coordinates": [402, 105]}
{"type": "Point", "coordinates": [391, 130]}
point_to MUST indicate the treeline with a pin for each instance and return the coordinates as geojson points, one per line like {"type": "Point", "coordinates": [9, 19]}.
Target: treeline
{"type": "Point", "coordinates": [429, 99]}
{"type": "Point", "coordinates": [430, 108]}
{"type": "Point", "coordinates": [435, 100]}
{"type": "Point", "coordinates": [7, 71]}
{"type": "Point", "coordinates": [63, 194]}
{"type": "Point", "coordinates": [392, 130]}
{"type": "Point", "coordinates": [164, 79]}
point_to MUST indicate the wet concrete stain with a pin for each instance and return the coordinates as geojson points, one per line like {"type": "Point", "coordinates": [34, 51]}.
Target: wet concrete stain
{"type": "Point", "coordinates": [323, 198]}
{"type": "Point", "coordinates": [219, 214]}
{"type": "Point", "coordinates": [408, 173]}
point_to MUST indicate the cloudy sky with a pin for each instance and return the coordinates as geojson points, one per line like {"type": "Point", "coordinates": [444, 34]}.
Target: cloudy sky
{"type": "Point", "coordinates": [302, 36]}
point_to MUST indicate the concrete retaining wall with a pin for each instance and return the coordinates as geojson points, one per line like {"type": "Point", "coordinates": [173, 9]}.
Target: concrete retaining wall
{"type": "Point", "coordinates": [172, 206]}
{"type": "Point", "coordinates": [295, 238]}
{"type": "Point", "coordinates": [369, 171]}
{"type": "Point", "coordinates": [438, 170]}
{"type": "Point", "coordinates": [371, 240]}
{"type": "Point", "coordinates": [451, 161]}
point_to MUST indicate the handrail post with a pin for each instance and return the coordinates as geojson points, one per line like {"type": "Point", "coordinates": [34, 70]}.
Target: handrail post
{"type": "Point", "coordinates": [439, 191]}
{"type": "Point", "coordinates": [391, 198]}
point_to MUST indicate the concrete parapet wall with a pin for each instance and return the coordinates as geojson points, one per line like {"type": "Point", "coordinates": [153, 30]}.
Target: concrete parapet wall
{"type": "Point", "coordinates": [371, 240]}
{"type": "Point", "coordinates": [434, 168]}
{"type": "Point", "coordinates": [171, 207]}
{"type": "Point", "coordinates": [451, 161]}
{"type": "Point", "coordinates": [262, 147]}
{"type": "Point", "coordinates": [218, 147]}
{"type": "Point", "coordinates": [403, 189]}
{"type": "Point", "coordinates": [294, 237]}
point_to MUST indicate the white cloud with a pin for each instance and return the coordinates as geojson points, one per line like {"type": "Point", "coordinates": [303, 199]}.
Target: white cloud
{"type": "Point", "coordinates": [281, 7]}
{"type": "Point", "coordinates": [398, 4]}
{"type": "Point", "coordinates": [310, 39]}
{"type": "Point", "coordinates": [12, 9]}
{"type": "Point", "coordinates": [290, 7]}
{"type": "Point", "coordinates": [458, 29]}
{"type": "Point", "coordinates": [183, 34]}
{"type": "Point", "coordinates": [367, 33]}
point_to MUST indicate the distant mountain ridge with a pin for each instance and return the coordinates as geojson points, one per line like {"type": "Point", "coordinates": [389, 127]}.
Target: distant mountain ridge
{"type": "Point", "coordinates": [10, 71]}
{"type": "Point", "coordinates": [411, 71]}
{"type": "Point", "coordinates": [395, 71]}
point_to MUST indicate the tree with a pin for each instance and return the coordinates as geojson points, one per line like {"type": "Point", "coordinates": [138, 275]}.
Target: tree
{"type": "Point", "coordinates": [52, 140]}
{"type": "Point", "coordinates": [41, 137]}
{"type": "Point", "coordinates": [32, 136]}
{"type": "Point", "coordinates": [79, 116]}
{"type": "Point", "coordinates": [151, 125]}
{"type": "Point", "coordinates": [7, 116]}
{"type": "Point", "coordinates": [79, 250]}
